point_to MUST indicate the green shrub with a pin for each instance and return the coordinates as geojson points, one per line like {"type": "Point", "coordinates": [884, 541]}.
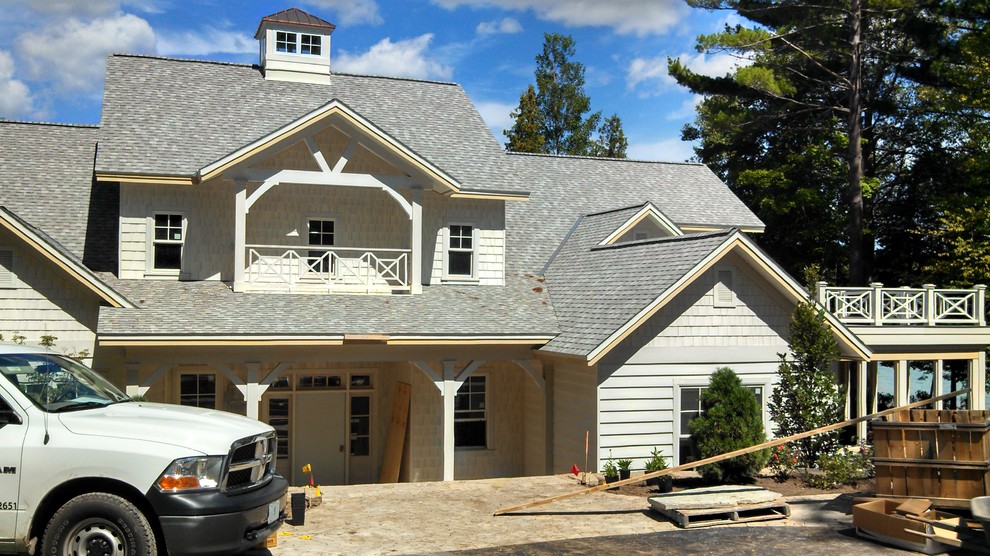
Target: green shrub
{"type": "Point", "coordinates": [656, 462]}
{"type": "Point", "coordinates": [841, 467]}
{"type": "Point", "coordinates": [784, 459]}
{"type": "Point", "coordinates": [731, 419]}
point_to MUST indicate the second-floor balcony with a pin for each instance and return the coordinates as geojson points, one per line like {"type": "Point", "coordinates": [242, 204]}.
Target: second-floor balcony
{"type": "Point", "coordinates": [311, 269]}
{"type": "Point", "coordinates": [926, 306]}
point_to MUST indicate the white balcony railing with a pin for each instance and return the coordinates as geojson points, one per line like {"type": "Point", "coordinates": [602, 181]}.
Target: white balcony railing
{"type": "Point", "coordinates": [341, 269]}
{"type": "Point", "coordinates": [927, 306]}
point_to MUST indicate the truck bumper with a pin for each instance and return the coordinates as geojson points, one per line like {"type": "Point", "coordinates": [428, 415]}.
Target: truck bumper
{"type": "Point", "coordinates": [215, 524]}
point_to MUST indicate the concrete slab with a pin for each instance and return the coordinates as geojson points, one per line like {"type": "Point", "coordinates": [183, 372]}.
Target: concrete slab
{"type": "Point", "coordinates": [725, 496]}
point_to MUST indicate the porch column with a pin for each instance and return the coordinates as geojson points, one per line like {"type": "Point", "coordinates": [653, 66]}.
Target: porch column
{"type": "Point", "coordinates": [416, 265]}
{"type": "Point", "coordinates": [253, 390]}
{"type": "Point", "coordinates": [861, 379]}
{"type": "Point", "coordinates": [901, 383]}
{"type": "Point", "coordinates": [977, 382]}
{"type": "Point", "coordinates": [133, 370]}
{"type": "Point", "coordinates": [450, 387]}
{"type": "Point", "coordinates": [240, 232]}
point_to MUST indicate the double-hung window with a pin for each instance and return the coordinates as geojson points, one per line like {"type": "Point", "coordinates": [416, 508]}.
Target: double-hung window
{"type": "Point", "coordinates": [690, 407]}
{"type": "Point", "coordinates": [460, 251]}
{"type": "Point", "coordinates": [471, 413]}
{"type": "Point", "coordinates": [169, 235]}
{"type": "Point", "coordinates": [198, 390]}
{"type": "Point", "coordinates": [321, 234]}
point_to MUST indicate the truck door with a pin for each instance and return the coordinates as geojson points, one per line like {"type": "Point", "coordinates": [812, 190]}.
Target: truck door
{"type": "Point", "coordinates": [13, 428]}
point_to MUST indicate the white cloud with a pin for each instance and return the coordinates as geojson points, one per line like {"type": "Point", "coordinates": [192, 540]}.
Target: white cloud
{"type": "Point", "coordinates": [666, 150]}
{"type": "Point", "coordinates": [72, 54]}
{"type": "Point", "coordinates": [628, 17]}
{"type": "Point", "coordinates": [15, 97]}
{"type": "Point", "coordinates": [206, 41]}
{"type": "Point", "coordinates": [506, 25]}
{"type": "Point", "coordinates": [407, 58]}
{"type": "Point", "coordinates": [651, 77]}
{"type": "Point", "coordinates": [350, 12]}
{"type": "Point", "coordinates": [498, 117]}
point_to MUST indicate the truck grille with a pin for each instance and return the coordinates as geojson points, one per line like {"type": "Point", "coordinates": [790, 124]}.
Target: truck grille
{"type": "Point", "coordinates": [250, 464]}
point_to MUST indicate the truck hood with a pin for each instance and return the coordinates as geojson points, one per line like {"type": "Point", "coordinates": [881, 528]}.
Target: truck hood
{"type": "Point", "coordinates": [204, 430]}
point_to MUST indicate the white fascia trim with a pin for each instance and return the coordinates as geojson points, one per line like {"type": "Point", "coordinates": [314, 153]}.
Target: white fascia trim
{"type": "Point", "coordinates": [319, 113]}
{"type": "Point", "coordinates": [649, 209]}
{"type": "Point", "coordinates": [711, 258]}
{"type": "Point", "coordinates": [82, 273]}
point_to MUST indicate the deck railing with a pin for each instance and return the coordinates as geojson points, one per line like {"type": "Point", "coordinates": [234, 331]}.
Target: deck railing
{"type": "Point", "coordinates": [344, 269]}
{"type": "Point", "coordinates": [928, 306]}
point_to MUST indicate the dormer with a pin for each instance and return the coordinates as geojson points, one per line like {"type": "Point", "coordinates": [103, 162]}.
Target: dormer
{"type": "Point", "coordinates": [648, 222]}
{"type": "Point", "coordinates": [295, 46]}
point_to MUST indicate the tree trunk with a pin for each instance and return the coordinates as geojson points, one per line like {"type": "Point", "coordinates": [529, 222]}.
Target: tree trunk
{"type": "Point", "coordinates": [854, 194]}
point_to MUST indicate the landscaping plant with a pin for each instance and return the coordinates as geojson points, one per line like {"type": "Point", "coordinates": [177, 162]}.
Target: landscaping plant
{"type": "Point", "coordinates": [731, 419]}
{"type": "Point", "coordinates": [807, 396]}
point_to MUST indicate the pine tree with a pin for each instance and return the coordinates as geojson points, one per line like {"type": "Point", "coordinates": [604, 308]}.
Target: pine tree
{"type": "Point", "coordinates": [611, 142]}
{"type": "Point", "coordinates": [807, 396]}
{"type": "Point", "coordinates": [731, 420]}
{"type": "Point", "coordinates": [525, 135]}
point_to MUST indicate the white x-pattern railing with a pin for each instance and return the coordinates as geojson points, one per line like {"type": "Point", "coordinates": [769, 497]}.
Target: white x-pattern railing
{"type": "Point", "coordinates": [312, 267]}
{"type": "Point", "coordinates": [880, 306]}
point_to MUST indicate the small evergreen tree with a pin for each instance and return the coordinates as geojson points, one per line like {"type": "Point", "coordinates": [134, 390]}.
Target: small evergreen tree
{"type": "Point", "coordinates": [807, 396]}
{"type": "Point", "coordinates": [731, 420]}
{"type": "Point", "coordinates": [611, 142]}
{"type": "Point", "coordinates": [525, 136]}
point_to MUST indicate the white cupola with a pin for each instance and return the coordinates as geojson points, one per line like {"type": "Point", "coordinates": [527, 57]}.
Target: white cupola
{"type": "Point", "coordinates": [295, 46]}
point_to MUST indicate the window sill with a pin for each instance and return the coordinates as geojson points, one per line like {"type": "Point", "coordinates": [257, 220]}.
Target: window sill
{"type": "Point", "coordinates": [460, 281]}
{"type": "Point", "coordinates": [163, 274]}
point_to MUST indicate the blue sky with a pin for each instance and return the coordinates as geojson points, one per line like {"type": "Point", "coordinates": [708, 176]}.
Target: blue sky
{"type": "Point", "coordinates": [52, 52]}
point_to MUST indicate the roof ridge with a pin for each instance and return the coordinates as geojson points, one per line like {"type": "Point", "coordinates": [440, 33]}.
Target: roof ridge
{"type": "Point", "coordinates": [247, 65]}
{"type": "Point", "coordinates": [604, 158]}
{"type": "Point", "coordinates": [670, 239]}
{"type": "Point", "coordinates": [610, 211]}
{"type": "Point", "coordinates": [52, 124]}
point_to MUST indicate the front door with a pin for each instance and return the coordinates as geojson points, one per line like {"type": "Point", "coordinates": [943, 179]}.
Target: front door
{"type": "Point", "coordinates": [13, 428]}
{"type": "Point", "coordinates": [319, 438]}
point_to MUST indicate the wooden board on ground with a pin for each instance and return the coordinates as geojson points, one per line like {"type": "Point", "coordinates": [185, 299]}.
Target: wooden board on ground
{"type": "Point", "coordinates": [396, 436]}
{"type": "Point", "coordinates": [707, 517]}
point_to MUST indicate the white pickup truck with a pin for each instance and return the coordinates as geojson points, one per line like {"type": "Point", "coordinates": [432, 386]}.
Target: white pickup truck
{"type": "Point", "coordinates": [84, 470]}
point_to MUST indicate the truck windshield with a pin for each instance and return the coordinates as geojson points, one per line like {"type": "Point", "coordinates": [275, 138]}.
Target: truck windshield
{"type": "Point", "coordinates": [56, 383]}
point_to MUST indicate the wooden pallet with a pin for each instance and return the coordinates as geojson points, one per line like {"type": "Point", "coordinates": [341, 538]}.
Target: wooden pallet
{"type": "Point", "coordinates": [706, 517]}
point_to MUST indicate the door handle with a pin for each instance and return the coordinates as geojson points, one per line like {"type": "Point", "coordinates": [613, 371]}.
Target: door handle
{"type": "Point", "coordinates": [341, 448]}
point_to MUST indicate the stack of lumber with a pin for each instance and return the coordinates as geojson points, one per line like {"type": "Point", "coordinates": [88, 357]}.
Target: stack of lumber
{"type": "Point", "coordinates": [914, 525]}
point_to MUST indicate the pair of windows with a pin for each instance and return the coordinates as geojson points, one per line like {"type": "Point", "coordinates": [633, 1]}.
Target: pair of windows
{"type": "Point", "coordinates": [298, 43]}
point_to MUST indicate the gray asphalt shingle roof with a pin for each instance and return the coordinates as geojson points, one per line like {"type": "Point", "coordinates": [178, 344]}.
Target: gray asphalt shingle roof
{"type": "Point", "coordinates": [596, 290]}
{"type": "Point", "coordinates": [563, 188]}
{"type": "Point", "coordinates": [210, 308]}
{"type": "Point", "coordinates": [46, 178]}
{"type": "Point", "coordinates": [166, 116]}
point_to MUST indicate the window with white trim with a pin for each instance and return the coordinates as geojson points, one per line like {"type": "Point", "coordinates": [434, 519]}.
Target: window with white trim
{"type": "Point", "coordinates": [298, 43]}
{"type": "Point", "coordinates": [321, 234]}
{"type": "Point", "coordinates": [460, 251]}
{"type": "Point", "coordinates": [198, 390]}
{"type": "Point", "coordinates": [6, 268]}
{"type": "Point", "coordinates": [471, 413]}
{"type": "Point", "coordinates": [168, 237]}
{"type": "Point", "coordinates": [690, 407]}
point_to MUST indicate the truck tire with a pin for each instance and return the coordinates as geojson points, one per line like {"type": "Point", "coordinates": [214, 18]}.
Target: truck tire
{"type": "Point", "coordinates": [98, 524]}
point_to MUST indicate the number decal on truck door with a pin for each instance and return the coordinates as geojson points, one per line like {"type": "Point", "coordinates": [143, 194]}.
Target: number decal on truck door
{"type": "Point", "coordinates": [8, 505]}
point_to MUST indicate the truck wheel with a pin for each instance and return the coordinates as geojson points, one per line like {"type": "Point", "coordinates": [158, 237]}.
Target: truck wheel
{"type": "Point", "coordinates": [98, 524]}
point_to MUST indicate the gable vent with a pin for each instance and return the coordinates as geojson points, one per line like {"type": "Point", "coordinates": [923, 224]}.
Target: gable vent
{"type": "Point", "coordinates": [723, 290]}
{"type": "Point", "coordinates": [6, 268]}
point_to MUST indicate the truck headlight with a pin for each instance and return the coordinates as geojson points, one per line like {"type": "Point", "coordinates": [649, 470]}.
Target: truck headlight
{"type": "Point", "coordinates": [196, 473]}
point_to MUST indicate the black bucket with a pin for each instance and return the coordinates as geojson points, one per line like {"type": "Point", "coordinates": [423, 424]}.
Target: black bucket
{"type": "Point", "coordinates": [298, 509]}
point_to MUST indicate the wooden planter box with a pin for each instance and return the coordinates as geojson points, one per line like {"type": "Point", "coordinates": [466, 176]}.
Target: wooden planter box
{"type": "Point", "coordinates": [940, 455]}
